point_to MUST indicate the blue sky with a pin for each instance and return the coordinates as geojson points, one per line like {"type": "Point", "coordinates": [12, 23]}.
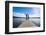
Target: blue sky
{"type": "Point", "coordinates": [22, 10]}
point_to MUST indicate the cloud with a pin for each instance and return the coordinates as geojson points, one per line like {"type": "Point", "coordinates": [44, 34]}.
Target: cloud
{"type": "Point", "coordinates": [35, 13]}
{"type": "Point", "coordinates": [19, 14]}
{"type": "Point", "coordinates": [23, 15]}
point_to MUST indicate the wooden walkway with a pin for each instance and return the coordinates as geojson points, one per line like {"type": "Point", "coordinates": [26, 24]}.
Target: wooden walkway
{"type": "Point", "coordinates": [26, 23]}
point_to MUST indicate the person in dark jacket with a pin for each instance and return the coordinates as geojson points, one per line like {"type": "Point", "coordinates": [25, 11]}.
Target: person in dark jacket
{"type": "Point", "coordinates": [27, 16]}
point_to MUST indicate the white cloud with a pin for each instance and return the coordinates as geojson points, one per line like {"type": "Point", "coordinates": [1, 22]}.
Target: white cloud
{"type": "Point", "coordinates": [23, 15]}
{"type": "Point", "coordinates": [35, 13]}
{"type": "Point", "coordinates": [34, 16]}
{"type": "Point", "coordinates": [19, 14]}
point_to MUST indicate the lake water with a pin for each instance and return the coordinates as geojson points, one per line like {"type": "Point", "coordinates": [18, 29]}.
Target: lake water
{"type": "Point", "coordinates": [18, 21]}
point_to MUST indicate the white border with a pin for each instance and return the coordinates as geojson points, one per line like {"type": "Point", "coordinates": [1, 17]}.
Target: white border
{"type": "Point", "coordinates": [24, 29]}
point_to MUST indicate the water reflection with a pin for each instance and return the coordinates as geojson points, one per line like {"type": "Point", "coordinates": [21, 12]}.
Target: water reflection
{"type": "Point", "coordinates": [22, 22]}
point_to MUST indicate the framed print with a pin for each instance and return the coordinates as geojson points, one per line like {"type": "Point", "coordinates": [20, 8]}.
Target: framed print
{"type": "Point", "coordinates": [24, 17]}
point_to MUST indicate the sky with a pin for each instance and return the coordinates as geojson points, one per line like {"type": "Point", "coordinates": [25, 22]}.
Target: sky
{"type": "Point", "coordinates": [22, 10]}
